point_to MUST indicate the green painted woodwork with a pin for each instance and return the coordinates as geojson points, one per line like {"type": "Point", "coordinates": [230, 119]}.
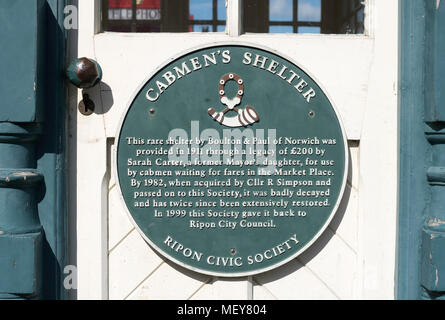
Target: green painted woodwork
{"type": "Point", "coordinates": [421, 245]}
{"type": "Point", "coordinates": [434, 51]}
{"type": "Point", "coordinates": [413, 148]}
{"type": "Point", "coordinates": [52, 155]}
{"type": "Point", "coordinates": [433, 262]}
{"type": "Point", "coordinates": [433, 236]}
{"type": "Point", "coordinates": [19, 211]}
{"type": "Point", "coordinates": [20, 263]}
{"type": "Point", "coordinates": [20, 228]}
{"type": "Point", "coordinates": [21, 87]}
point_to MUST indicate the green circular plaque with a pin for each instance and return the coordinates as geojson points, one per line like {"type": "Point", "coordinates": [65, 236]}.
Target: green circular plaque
{"type": "Point", "coordinates": [231, 160]}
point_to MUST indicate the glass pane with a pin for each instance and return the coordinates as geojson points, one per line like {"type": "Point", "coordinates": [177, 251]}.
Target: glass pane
{"type": "Point", "coordinates": [148, 10]}
{"type": "Point", "coordinates": [309, 10]}
{"type": "Point", "coordinates": [280, 10]}
{"type": "Point", "coordinates": [207, 13]}
{"type": "Point", "coordinates": [201, 9]}
{"type": "Point", "coordinates": [281, 29]}
{"type": "Point", "coordinates": [120, 9]}
{"type": "Point", "coordinates": [308, 29]}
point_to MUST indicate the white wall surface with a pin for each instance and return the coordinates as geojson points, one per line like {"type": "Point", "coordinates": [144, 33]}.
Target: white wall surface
{"type": "Point", "coordinates": [353, 259]}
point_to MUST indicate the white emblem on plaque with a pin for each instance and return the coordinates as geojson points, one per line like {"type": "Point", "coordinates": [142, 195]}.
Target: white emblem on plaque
{"type": "Point", "coordinates": [247, 116]}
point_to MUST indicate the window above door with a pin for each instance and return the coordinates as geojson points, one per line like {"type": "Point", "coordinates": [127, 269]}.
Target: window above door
{"type": "Point", "coordinates": [257, 16]}
{"type": "Point", "coordinates": [164, 15]}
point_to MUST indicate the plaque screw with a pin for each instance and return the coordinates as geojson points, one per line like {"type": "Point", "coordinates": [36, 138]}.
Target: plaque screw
{"type": "Point", "coordinates": [152, 111]}
{"type": "Point", "coordinates": [232, 251]}
{"type": "Point", "coordinates": [311, 114]}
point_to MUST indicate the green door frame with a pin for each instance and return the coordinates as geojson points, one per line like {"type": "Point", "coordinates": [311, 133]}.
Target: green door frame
{"type": "Point", "coordinates": [421, 225]}
{"type": "Point", "coordinates": [33, 169]}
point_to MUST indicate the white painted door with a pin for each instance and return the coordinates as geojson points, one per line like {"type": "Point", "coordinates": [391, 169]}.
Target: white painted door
{"type": "Point", "coordinates": [353, 259]}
